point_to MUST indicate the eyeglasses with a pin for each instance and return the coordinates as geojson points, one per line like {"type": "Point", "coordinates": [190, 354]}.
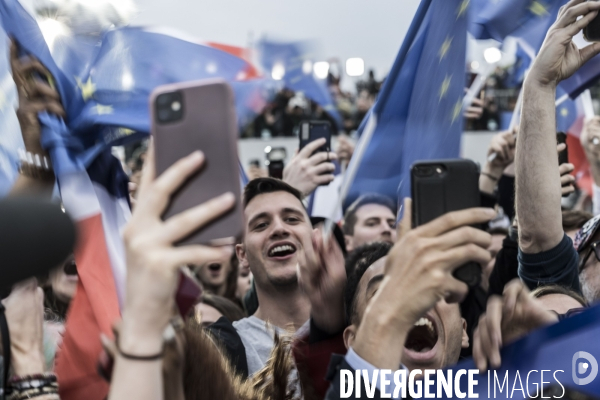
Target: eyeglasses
{"type": "Point", "coordinates": [593, 249]}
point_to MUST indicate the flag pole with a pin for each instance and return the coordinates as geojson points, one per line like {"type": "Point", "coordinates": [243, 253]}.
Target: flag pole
{"type": "Point", "coordinates": [371, 122]}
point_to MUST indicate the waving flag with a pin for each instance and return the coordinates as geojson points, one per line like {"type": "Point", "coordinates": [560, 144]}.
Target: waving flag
{"type": "Point", "coordinates": [419, 111]}
{"type": "Point", "coordinates": [568, 352]}
{"type": "Point", "coordinates": [10, 133]}
{"type": "Point", "coordinates": [529, 19]}
{"type": "Point", "coordinates": [294, 63]}
{"type": "Point", "coordinates": [104, 85]}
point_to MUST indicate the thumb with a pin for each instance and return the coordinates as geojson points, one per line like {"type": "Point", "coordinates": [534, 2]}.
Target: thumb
{"type": "Point", "coordinates": [406, 223]}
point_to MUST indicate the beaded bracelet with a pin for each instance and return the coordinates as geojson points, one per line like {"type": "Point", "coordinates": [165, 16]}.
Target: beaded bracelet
{"type": "Point", "coordinates": [31, 386]}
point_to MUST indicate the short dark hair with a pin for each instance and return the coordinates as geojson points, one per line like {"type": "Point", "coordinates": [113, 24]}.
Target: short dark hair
{"type": "Point", "coordinates": [545, 290]}
{"type": "Point", "coordinates": [260, 186]}
{"type": "Point", "coordinates": [574, 219]}
{"type": "Point", "coordinates": [357, 263]}
{"type": "Point", "coordinates": [371, 198]}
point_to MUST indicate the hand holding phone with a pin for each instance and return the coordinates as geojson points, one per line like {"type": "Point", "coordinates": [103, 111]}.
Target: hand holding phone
{"type": "Point", "coordinates": [442, 186]}
{"type": "Point", "coordinates": [310, 168]}
{"type": "Point", "coordinates": [200, 116]}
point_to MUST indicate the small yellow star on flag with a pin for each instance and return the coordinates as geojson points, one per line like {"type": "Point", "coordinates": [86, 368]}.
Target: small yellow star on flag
{"type": "Point", "coordinates": [445, 47]}
{"type": "Point", "coordinates": [457, 110]}
{"type": "Point", "coordinates": [462, 9]}
{"type": "Point", "coordinates": [445, 86]}
{"type": "Point", "coordinates": [102, 109]}
{"type": "Point", "coordinates": [538, 8]}
{"type": "Point", "coordinates": [564, 112]}
{"type": "Point", "coordinates": [87, 89]}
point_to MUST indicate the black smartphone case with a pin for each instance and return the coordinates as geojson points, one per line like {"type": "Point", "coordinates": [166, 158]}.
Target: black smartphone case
{"type": "Point", "coordinates": [455, 188]}
{"type": "Point", "coordinates": [591, 32]}
{"type": "Point", "coordinates": [316, 130]}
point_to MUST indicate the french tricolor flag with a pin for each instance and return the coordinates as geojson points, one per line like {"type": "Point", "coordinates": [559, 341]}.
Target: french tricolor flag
{"type": "Point", "coordinates": [98, 200]}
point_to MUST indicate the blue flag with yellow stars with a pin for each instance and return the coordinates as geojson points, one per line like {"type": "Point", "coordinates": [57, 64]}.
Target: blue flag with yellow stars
{"type": "Point", "coordinates": [105, 83]}
{"type": "Point", "coordinates": [421, 116]}
{"type": "Point", "coordinates": [292, 63]}
{"type": "Point", "coordinates": [566, 113]}
{"type": "Point", "coordinates": [528, 19]}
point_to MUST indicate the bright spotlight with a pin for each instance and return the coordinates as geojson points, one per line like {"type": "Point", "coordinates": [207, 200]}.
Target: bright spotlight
{"type": "Point", "coordinates": [307, 67]}
{"type": "Point", "coordinates": [355, 66]}
{"type": "Point", "coordinates": [278, 72]}
{"type": "Point", "coordinates": [127, 80]}
{"type": "Point", "coordinates": [475, 65]}
{"type": "Point", "coordinates": [321, 69]}
{"type": "Point", "coordinates": [51, 29]}
{"type": "Point", "coordinates": [492, 55]}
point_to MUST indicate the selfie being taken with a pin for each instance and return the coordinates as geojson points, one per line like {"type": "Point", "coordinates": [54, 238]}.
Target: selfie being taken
{"type": "Point", "coordinates": [266, 200]}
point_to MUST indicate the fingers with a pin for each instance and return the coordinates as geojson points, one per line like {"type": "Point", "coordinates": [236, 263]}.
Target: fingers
{"type": "Point", "coordinates": [324, 179]}
{"type": "Point", "coordinates": [189, 221]}
{"type": "Point", "coordinates": [566, 168]}
{"type": "Point", "coordinates": [406, 223]}
{"type": "Point", "coordinates": [311, 148]}
{"type": "Point", "coordinates": [197, 254]}
{"type": "Point", "coordinates": [455, 219]}
{"type": "Point", "coordinates": [581, 23]}
{"type": "Point", "coordinates": [456, 290]}
{"type": "Point", "coordinates": [459, 256]}
{"type": "Point", "coordinates": [589, 51]}
{"type": "Point", "coordinates": [321, 157]}
{"type": "Point", "coordinates": [573, 10]}
{"type": "Point", "coordinates": [322, 168]}
{"type": "Point", "coordinates": [478, 356]}
{"type": "Point", "coordinates": [463, 236]}
{"type": "Point", "coordinates": [169, 181]}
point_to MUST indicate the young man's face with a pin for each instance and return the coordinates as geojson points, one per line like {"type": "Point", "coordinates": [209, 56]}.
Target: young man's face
{"type": "Point", "coordinates": [434, 342]}
{"type": "Point", "coordinates": [374, 223]}
{"type": "Point", "coordinates": [278, 233]}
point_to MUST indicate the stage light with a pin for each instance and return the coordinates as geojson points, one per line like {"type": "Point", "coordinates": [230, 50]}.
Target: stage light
{"type": "Point", "coordinates": [51, 29]}
{"type": "Point", "coordinates": [321, 69]}
{"type": "Point", "coordinates": [474, 65]}
{"type": "Point", "coordinates": [492, 55]}
{"type": "Point", "coordinates": [307, 67]}
{"type": "Point", "coordinates": [355, 66]}
{"type": "Point", "coordinates": [278, 72]}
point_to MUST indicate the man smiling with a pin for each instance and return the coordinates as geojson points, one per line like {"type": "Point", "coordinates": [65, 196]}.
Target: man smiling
{"type": "Point", "coordinates": [278, 242]}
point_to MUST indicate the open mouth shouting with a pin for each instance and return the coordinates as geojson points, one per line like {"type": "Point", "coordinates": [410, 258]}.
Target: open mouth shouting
{"type": "Point", "coordinates": [281, 251]}
{"type": "Point", "coordinates": [422, 341]}
{"type": "Point", "coordinates": [214, 269]}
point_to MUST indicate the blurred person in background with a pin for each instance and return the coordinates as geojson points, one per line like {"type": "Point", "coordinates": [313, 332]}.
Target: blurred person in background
{"type": "Point", "coordinates": [371, 218]}
{"type": "Point", "coordinates": [219, 278]}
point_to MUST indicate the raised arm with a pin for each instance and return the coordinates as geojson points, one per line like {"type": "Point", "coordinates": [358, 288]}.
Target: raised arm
{"type": "Point", "coordinates": [538, 185]}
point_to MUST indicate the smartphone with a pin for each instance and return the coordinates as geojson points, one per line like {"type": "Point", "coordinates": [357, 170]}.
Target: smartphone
{"type": "Point", "coordinates": [275, 161]}
{"type": "Point", "coordinates": [441, 186]}
{"type": "Point", "coordinates": [200, 116]}
{"type": "Point", "coordinates": [591, 32]}
{"type": "Point", "coordinates": [313, 130]}
{"type": "Point", "coordinates": [563, 156]}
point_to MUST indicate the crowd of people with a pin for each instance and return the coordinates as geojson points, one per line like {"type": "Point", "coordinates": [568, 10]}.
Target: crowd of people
{"type": "Point", "coordinates": [285, 310]}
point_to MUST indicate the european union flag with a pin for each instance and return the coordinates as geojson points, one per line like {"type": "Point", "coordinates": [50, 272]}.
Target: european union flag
{"type": "Point", "coordinates": [10, 136]}
{"type": "Point", "coordinates": [419, 111]}
{"type": "Point", "coordinates": [105, 84]}
{"type": "Point", "coordinates": [529, 19]}
{"type": "Point", "coordinates": [581, 80]}
{"type": "Point", "coordinates": [566, 113]}
{"type": "Point", "coordinates": [293, 62]}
